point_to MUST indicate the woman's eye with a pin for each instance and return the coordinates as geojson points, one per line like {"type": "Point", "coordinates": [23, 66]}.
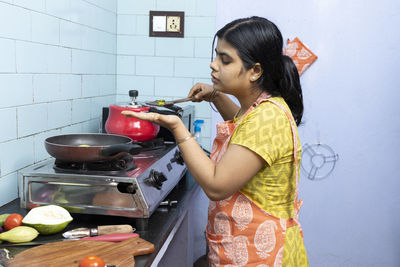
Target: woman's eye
{"type": "Point", "coordinates": [225, 61]}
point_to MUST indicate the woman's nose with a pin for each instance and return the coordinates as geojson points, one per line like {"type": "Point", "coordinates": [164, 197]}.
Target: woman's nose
{"type": "Point", "coordinates": [213, 65]}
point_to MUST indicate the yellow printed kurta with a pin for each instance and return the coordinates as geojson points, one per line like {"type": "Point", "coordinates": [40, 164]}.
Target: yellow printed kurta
{"type": "Point", "coordinates": [266, 131]}
{"type": "Point", "coordinates": [239, 231]}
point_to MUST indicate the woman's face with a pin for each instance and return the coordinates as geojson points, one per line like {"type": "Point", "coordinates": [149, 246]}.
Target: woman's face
{"type": "Point", "coordinates": [228, 74]}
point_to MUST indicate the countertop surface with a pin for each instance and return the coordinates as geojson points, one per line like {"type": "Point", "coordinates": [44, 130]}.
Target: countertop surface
{"type": "Point", "coordinates": [155, 229]}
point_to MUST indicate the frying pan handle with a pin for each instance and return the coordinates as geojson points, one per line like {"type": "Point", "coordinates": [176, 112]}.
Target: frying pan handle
{"type": "Point", "coordinates": [111, 150]}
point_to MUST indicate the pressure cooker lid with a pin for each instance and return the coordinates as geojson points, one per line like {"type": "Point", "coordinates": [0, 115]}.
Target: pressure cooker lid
{"type": "Point", "coordinates": [139, 106]}
{"type": "Point", "coordinates": [133, 94]}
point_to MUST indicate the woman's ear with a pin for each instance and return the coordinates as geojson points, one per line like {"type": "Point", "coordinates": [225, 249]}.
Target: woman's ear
{"type": "Point", "coordinates": [255, 72]}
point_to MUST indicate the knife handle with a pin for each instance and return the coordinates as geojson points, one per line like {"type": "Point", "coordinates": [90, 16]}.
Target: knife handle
{"type": "Point", "coordinates": [114, 229]}
{"type": "Point", "coordinates": [111, 237]}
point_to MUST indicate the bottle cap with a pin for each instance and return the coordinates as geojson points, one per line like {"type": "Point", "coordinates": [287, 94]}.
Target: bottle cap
{"type": "Point", "coordinates": [197, 125]}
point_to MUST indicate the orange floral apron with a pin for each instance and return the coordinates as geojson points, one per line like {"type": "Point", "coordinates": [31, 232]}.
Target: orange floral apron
{"type": "Point", "coordinates": [240, 233]}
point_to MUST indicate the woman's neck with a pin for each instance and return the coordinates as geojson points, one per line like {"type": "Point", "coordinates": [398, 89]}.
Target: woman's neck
{"type": "Point", "coordinates": [247, 100]}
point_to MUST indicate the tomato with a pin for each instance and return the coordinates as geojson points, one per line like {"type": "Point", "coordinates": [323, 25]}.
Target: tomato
{"type": "Point", "coordinates": [91, 261]}
{"type": "Point", "coordinates": [13, 220]}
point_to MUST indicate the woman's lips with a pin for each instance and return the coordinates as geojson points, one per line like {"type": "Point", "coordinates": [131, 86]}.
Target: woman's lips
{"type": "Point", "coordinates": [213, 79]}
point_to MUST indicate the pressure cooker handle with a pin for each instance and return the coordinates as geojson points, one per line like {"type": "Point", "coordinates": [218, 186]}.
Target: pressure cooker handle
{"type": "Point", "coordinates": [111, 150]}
{"type": "Point", "coordinates": [174, 110]}
{"type": "Point", "coordinates": [177, 109]}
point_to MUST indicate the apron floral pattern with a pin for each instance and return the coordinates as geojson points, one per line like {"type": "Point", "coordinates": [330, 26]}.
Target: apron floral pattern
{"type": "Point", "coordinates": [240, 233]}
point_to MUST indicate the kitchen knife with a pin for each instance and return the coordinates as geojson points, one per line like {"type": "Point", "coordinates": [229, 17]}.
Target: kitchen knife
{"type": "Point", "coordinates": [100, 230]}
{"type": "Point", "coordinates": [107, 238]}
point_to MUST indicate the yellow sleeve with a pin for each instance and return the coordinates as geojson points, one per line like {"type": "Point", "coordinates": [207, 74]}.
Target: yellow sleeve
{"type": "Point", "coordinates": [265, 131]}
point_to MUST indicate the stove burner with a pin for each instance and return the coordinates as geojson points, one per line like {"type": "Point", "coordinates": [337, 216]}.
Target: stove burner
{"type": "Point", "coordinates": [114, 167]}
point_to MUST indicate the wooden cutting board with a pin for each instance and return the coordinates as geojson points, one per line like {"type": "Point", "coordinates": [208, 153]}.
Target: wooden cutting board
{"type": "Point", "coordinates": [70, 253]}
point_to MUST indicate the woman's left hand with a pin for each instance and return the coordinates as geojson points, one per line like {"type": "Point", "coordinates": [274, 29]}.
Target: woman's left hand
{"type": "Point", "coordinates": [168, 121]}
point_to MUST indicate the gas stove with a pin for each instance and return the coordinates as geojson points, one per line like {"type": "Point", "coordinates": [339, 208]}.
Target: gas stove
{"type": "Point", "coordinates": [134, 192]}
{"type": "Point", "coordinates": [132, 186]}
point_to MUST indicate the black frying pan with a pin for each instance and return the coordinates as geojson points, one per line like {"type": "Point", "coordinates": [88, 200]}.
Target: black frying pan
{"type": "Point", "coordinates": [90, 147]}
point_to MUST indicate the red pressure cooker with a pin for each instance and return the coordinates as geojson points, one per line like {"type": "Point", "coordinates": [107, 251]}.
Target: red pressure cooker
{"type": "Point", "coordinates": [137, 130]}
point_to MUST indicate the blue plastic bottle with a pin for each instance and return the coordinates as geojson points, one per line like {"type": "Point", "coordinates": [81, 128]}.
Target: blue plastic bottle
{"type": "Point", "coordinates": [197, 129]}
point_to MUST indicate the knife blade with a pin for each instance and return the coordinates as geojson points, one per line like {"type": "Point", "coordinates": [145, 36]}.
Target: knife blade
{"type": "Point", "coordinates": [100, 230]}
{"type": "Point", "coordinates": [107, 238]}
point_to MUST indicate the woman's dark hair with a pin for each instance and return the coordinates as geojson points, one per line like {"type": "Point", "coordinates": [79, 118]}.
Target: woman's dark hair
{"type": "Point", "coordinates": [258, 40]}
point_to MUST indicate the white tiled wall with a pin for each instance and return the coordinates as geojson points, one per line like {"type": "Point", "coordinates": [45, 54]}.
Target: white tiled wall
{"type": "Point", "coordinates": [63, 60]}
{"type": "Point", "coordinates": [57, 69]}
{"type": "Point", "coordinates": [161, 67]}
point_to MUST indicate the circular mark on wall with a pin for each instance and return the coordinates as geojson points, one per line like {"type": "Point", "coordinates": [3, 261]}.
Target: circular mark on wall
{"type": "Point", "coordinates": [318, 160]}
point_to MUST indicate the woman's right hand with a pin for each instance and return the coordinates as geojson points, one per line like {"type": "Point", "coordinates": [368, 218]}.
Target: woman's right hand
{"type": "Point", "coordinates": [200, 92]}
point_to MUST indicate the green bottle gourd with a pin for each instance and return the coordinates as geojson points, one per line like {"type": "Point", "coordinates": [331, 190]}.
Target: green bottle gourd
{"type": "Point", "coordinates": [19, 234]}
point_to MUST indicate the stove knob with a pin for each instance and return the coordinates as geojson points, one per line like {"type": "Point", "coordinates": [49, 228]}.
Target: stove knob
{"type": "Point", "coordinates": [127, 188]}
{"type": "Point", "coordinates": [155, 179]}
{"type": "Point", "coordinates": [177, 158]}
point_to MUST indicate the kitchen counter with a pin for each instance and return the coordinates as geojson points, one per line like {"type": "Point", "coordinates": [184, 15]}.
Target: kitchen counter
{"type": "Point", "coordinates": [183, 222]}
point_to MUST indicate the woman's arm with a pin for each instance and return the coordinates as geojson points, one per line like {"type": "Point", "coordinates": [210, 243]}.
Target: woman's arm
{"type": "Point", "coordinates": [219, 181]}
{"type": "Point", "coordinates": [236, 168]}
{"type": "Point", "coordinates": [226, 107]}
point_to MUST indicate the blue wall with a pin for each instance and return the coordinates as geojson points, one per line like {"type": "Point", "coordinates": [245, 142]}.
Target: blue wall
{"type": "Point", "coordinates": [351, 97]}
{"type": "Point", "coordinates": [57, 69]}
{"type": "Point", "coordinates": [62, 61]}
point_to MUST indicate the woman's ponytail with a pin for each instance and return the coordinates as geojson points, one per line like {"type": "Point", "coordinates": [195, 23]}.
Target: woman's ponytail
{"type": "Point", "coordinates": [290, 88]}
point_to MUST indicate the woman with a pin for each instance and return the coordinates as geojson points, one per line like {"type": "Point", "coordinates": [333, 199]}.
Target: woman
{"type": "Point", "coordinates": [252, 174]}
